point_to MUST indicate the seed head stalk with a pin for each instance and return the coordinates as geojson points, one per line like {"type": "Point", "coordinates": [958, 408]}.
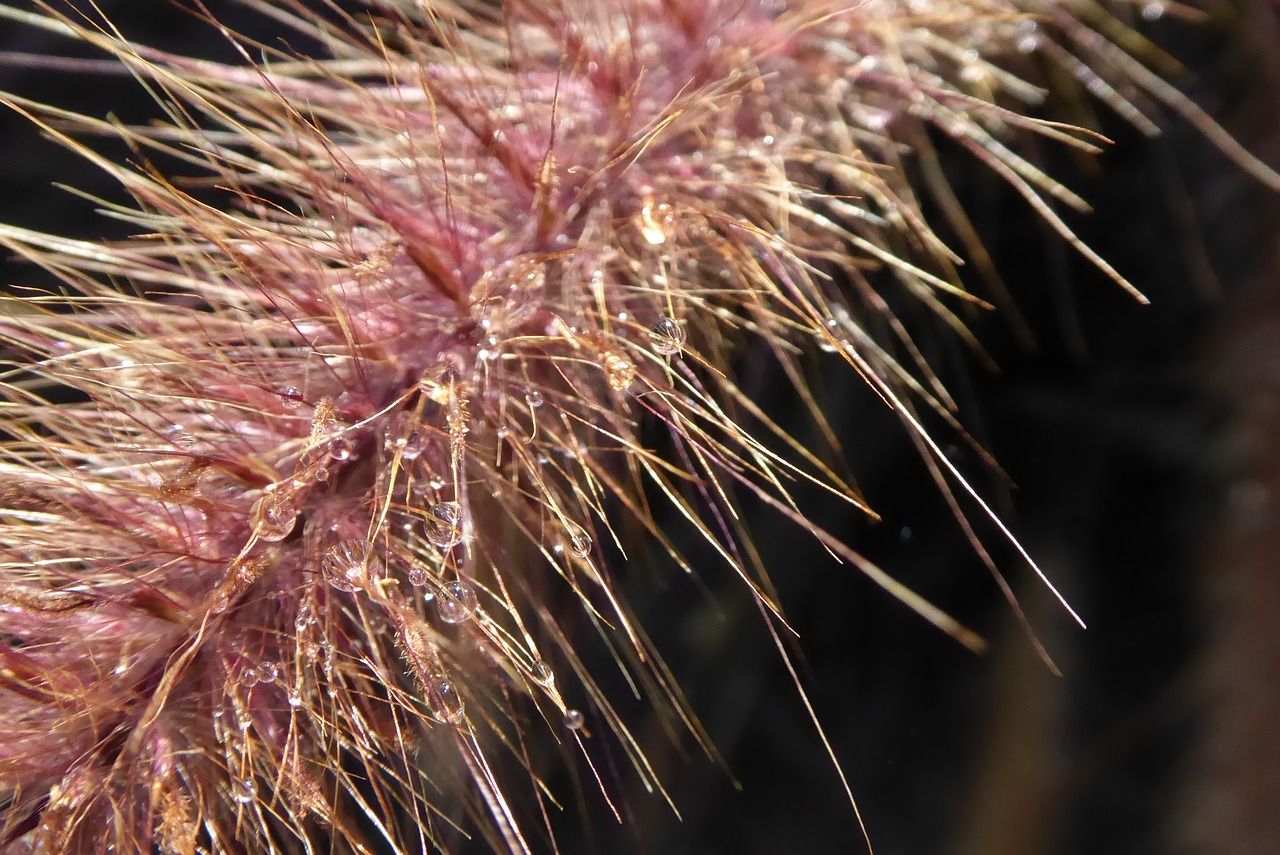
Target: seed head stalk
{"type": "Point", "coordinates": [312, 493]}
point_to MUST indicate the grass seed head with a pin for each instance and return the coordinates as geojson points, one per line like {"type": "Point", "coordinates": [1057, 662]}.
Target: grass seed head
{"type": "Point", "coordinates": [313, 492]}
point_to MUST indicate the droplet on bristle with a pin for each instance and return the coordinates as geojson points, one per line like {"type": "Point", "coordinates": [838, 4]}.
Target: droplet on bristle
{"type": "Point", "coordinates": [180, 436]}
{"type": "Point", "coordinates": [667, 336]}
{"type": "Point", "coordinates": [248, 676]}
{"type": "Point", "coordinates": [456, 602]}
{"type": "Point", "coordinates": [443, 524]}
{"type": "Point", "coordinates": [267, 672]}
{"type": "Point", "coordinates": [243, 790]}
{"type": "Point", "coordinates": [534, 397]}
{"type": "Point", "coordinates": [573, 719]}
{"type": "Point", "coordinates": [417, 575]}
{"type": "Point", "coordinates": [446, 702]}
{"type": "Point", "coordinates": [414, 444]}
{"type": "Point", "coordinates": [295, 698]}
{"type": "Point", "coordinates": [347, 566]}
{"type": "Point", "coordinates": [542, 673]}
{"type": "Point", "coordinates": [291, 397]}
{"type": "Point", "coordinates": [340, 449]}
{"type": "Point", "coordinates": [274, 517]}
{"type": "Point", "coordinates": [579, 540]}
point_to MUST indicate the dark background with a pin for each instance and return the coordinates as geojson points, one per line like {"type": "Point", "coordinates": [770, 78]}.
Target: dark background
{"type": "Point", "coordinates": [1115, 429]}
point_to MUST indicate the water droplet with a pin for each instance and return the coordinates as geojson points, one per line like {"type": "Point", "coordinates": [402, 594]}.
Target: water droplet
{"type": "Point", "coordinates": [573, 719]}
{"type": "Point", "coordinates": [180, 436]}
{"type": "Point", "coordinates": [542, 673]}
{"type": "Point", "coordinates": [248, 676]}
{"type": "Point", "coordinates": [444, 524]}
{"type": "Point", "coordinates": [295, 698]}
{"type": "Point", "coordinates": [579, 540]}
{"type": "Point", "coordinates": [244, 790]}
{"type": "Point", "coordinates": [347, 565]}
{"type": "Point", "coordinates": [619, 371]}
{"type": "Point", "coordinates": [446, 702]}
{"type": "Point", "coordinates": [322, 474]}
{"type": "Point", "coordinates": [657, 222]}
{"type": "Point", "coordinates": [340, 449]}
{"type": "Point", "coordinates": [436, 483]}
{"type": "Point", "coordinates": [274, 518]}
{"type": "Point", "coordinates": [667, 336]}
{"type": "Point", "coordinates": [414, 444]}
{"type": "Point", "coordinates": [291, 397]}
{"type": "Point", "coordinates": [417, 575]}
{"type": "Point", "coordinates": [1154, 11]}
{"type": "Point", "coordinates": [534, 397]}
{"type": "Point", "coordinates": [456, 602]}
{"type": "Point", "coordinates": [267, 672]}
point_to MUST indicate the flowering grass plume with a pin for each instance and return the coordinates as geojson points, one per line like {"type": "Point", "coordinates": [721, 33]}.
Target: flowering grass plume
{"type": "Point", "coordinates": [312, 493]}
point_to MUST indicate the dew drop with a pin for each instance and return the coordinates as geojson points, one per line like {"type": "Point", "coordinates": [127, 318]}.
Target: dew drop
{"type": "Point", "coordinates": [1154, 11]}
{"type": "Point", "coordinates": [414, 444]}
{"type": "Point", "coordinates": [667, 336]}
{"type": "Point", "coordinates": [295, 698]}
{"type": "Point", "coordinates": [446, 702]}
{"type": "Point", "coordinates": [444, 524]}
{"type": "Point", "coordinates": [542, 673]}
{"type": "Point", "coordinates": [340, 449]}
{"type": "Point", "coordinates": [579, 540]}
{"type": "Point", "coordinates": [248, 676]}
{"type": "Point", "coordinates": [436, 483]}
{"type": "Point", "coordinates": [619, 371]}
{"type": "Point", "coordinates": [534, 397]}
{"type": "Point", "coordinates": [322, 474]}
{"type": "Point", "coordinates": [417, 575]}
{"type": "Point", "coordinates": [291, 397]}
{"type": "Point", "coordinates": [456, 602]}
{"type": "Point", "coordinates": [347, 565]}
{"type": "Point", "coordinates": [274, 518]}
{"type": "Point", "coordinates": [244, 790]}
{"type": "Point", "coordinates": [267, 672]}
{"type": "Point", "coordinates": [573, 719]}
{"type": "Point", "coordinates": [180, 436]}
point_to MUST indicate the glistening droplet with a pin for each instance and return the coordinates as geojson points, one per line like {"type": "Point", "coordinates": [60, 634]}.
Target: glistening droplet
{"type": "Point", "coordinates": [244, 790]}
{"type": "Point", "coordinates": [443, 524]}
{"type": "Point", "coordinates": [267, 672]}
{"type": "Point", "coordinates": [274, 517]}
{"type": "Point", "coordinates": [457, 602]}
{"type": "Point", "coordinates": [291, 397]}
{"type": "Point", "coordinates": [579, 540]}
{"type": "Point", "coordinates": [542, 673]}
{"type": "Point", "coordinates": [667, 336]}
{"type": "Point", "coordinates": [445, 701]}
{"type": "Point", "coordinates": [573, 719]}
{"type": "Point", "coordinates": [347, 566]}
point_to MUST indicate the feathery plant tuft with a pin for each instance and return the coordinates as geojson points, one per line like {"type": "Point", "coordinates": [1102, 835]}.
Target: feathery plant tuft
{"type": "Point", "coordinates": [312, 494]}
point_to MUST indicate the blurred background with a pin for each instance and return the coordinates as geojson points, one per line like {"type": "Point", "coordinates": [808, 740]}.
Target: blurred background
{"type": "Point", "coordinates": [1140, 445]}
